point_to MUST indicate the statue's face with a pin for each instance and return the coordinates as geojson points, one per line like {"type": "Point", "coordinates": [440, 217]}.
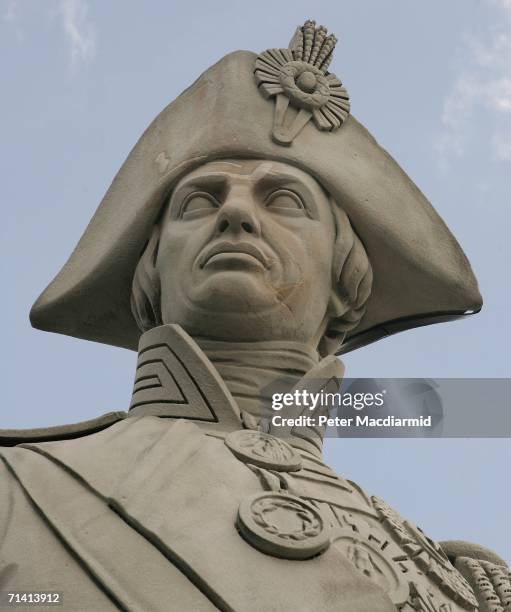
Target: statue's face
{"type": "Point", "coordinates": [246, 253]}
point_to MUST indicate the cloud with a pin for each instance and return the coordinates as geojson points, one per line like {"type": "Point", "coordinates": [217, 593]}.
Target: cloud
{"type": "Point", "coordinates": [79, 31]}
{"type": "Point", "coordinates": [12, 17]}
{"type": "Point", "coordinates": [12, 11]}
{"type": "Point", "coordinates": [73, 17]}
{"type": "Point", "coordinates": [481, 93]}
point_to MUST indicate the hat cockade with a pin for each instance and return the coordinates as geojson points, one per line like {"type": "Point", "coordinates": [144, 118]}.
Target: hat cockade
{"type": "Point", "coordinates": [299, 77]}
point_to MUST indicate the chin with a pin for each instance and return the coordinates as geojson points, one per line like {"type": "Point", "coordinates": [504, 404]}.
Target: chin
{"type": "Point", "coordinates": [234, 292]}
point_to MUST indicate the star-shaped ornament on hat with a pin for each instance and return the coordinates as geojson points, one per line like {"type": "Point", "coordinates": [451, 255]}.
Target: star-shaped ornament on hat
{"type": "Point", "coordinates": [299, 77]}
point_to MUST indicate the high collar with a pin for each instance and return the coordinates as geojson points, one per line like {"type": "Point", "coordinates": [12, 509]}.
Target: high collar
{"type": "Point", "coordinates": [254, 371]}
{"type": "Point", "coordinates": [175, 379]}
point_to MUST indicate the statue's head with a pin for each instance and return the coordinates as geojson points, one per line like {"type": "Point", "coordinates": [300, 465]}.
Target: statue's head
{"type": "Point", "coordinates": [256, 207]}
{"type": "Point", "coordinates": [251, 249]}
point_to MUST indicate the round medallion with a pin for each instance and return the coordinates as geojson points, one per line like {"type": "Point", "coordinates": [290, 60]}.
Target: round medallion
{"type": "Point", "coordinates": [263, 450]}
{"type": "Point", "coordinates": [307, 81]}
{"type": "Point", "coordinates": [427, 555]}
{"type": "Point", "coordinates": [283, 526]}
{"type": "Point", "coordinates": [305, 84]}
{"type": "Point", "coordinates": [374, 563]}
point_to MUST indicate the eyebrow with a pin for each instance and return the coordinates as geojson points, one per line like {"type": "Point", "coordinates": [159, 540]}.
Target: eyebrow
{"type": "Point", "coordinates": [211, 178]}
{"type": "Point", "coordinates": [214, 183]}
{"type": "Point", "coordinates": [262, 178]}
{"type": "Point", "coordinates": [272, 180]}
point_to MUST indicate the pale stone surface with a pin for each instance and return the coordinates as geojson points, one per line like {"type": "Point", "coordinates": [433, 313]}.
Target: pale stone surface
{"type": "Point", "coordinates": [255, 230]}
{"type": "Point", "coordinates": [175, 512]}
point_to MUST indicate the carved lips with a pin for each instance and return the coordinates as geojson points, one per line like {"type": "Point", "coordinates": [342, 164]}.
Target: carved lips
{"type": "Point", "coordinates": [229, 250]}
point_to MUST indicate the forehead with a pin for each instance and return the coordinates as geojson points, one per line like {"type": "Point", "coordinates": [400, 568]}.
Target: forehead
{"type": "Point", "coordinates": [250, 170]}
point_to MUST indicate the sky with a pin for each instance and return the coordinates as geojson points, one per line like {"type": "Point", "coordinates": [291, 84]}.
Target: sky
{"type": "Point", "coordinates": [80, 81]}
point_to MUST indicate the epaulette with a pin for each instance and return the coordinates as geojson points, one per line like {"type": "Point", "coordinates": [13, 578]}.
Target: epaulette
{"type": "Point", "coordinates": [459, 548]}
{"type": "Point", "coordinates": [488, 574]}
{"type": "Point", "coordinates": [12, 437]}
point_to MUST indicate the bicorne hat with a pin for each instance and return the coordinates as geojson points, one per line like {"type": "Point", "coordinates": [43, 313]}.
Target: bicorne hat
{"type": "Point", "coordinates": [282, 105]}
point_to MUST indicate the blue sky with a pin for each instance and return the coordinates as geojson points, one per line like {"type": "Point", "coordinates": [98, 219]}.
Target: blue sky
{"type": "Point", "coordinates": [431, 80]}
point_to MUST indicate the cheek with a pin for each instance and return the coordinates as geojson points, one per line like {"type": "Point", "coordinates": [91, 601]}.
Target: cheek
{"type": "Point", "coordinates": [320, 245]}
{"type": "Point", "coordinates": [173, 264]}
{"type": "Point", "coordinates": [320, 248]}
{"type": "Point", "coordinates": [179, 247]}
{"type": "Point", "coordinates": [307, 248]}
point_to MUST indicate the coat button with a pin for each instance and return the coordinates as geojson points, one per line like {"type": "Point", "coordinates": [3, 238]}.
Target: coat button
{"type": "Point", "coordinates": [263, 450]}
{"type": "Point", "coordinates": [283, 526]}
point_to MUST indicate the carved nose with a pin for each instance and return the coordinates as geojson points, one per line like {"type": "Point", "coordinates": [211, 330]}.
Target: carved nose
{"type": "Point", "coordinates": [238, 220]}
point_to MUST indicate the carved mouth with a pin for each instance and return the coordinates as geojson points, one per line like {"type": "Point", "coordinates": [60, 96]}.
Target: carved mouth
{"type": "Point", "coordinates": [245, 250]}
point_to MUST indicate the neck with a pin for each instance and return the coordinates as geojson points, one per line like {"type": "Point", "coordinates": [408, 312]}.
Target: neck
{"type": "Point", "coordinates": [182, 378]}
{"type": "Point", "coordinates": [253, 371]}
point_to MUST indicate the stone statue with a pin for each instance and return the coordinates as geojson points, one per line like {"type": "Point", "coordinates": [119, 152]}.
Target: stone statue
{"type": "Point", "coordinates": [255, 231]}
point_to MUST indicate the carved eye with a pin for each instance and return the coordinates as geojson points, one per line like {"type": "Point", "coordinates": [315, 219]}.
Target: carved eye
{"type": "Point", "coordinates": [285, 201]}
{"type": "Point", "coordinates": [197, 203]}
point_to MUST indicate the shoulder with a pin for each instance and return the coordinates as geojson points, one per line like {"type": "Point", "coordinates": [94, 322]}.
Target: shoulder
{"type": "Point", "coordinates": [459, 548]}
{"type": "Point", "coordinates": [486, 572]}
{"type": "Point", "coordinates": [12, 437]}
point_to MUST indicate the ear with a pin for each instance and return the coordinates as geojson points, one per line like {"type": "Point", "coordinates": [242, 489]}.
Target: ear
{"type": "Point", "coordinates": [145, 289]}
